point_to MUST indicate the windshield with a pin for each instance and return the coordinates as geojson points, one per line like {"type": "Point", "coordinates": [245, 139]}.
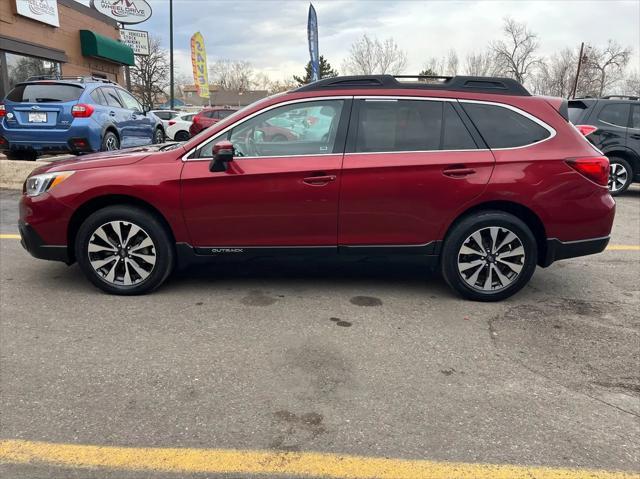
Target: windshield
{"type": "Point", "coordinates": [45, 93]}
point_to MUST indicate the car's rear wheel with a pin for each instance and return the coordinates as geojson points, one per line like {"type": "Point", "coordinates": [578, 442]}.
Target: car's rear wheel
{"type": "Point", "coordinates": [124, 250]}
{"type": "Point", "coordinates": [489, 256]}
{"type": "Point", "coordinates": [620, 175]}
{"type": "Point", "coordinates": [181, 136]}
{"type": "Point", "coordinates": [110, 142]}
{"type": "Point", "coordinates": [158, 136]}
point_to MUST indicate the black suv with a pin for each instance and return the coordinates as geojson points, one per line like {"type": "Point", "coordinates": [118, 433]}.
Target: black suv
{"type": "Point", "coordinates": [612, 124]}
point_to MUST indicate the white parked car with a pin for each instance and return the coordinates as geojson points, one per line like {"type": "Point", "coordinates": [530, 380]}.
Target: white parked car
{"type": "Point", "coordinates": [178, 127]}
{"type": "Point", "coordinates": [165, 116]}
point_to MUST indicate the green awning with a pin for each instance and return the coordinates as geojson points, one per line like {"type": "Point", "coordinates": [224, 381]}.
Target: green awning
{"type": "Point", "coordinates": [105, 48]}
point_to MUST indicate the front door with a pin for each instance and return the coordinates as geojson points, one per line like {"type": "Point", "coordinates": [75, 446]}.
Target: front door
{"type": "Point", "coordinates": [409, 164]}
{"type": "Point", "coordinates": [281, 189]}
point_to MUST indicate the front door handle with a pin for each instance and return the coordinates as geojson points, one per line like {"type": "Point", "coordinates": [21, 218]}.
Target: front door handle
{"type": "Point", "coordinates": [458, 172]}
{"type": "Point", "coordinates": [112, 113]}
{"type": "Point", "coordinates": [319, 180]}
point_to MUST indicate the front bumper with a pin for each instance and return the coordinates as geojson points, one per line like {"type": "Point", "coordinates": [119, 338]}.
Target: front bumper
{"type": "Point", "coordinates": [32, 242]}
{"type": "Point", "coordinates": [557, 250]}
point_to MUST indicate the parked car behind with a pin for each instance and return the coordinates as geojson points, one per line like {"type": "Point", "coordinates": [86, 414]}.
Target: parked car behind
{"type": "Point", "coordinates": [73, 114]}
{"type": "Point", "coordinates": [208, 117]}
{"type": "Point", "coordinates": [178, 127]}
{"type": "Point", "coordinates": [474, 176]}
{"type": "Point", "coordinates": [165, 116]}
{"type": "Point", "coordinates": [613, 125]}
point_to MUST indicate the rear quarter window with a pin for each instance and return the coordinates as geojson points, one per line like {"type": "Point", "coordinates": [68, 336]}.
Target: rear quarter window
{"type": "Point", "coordinates": [616, 114]}
{"type": "Point", "coordinates": [45, 93]}
{"type": "Point", "coordinates": [504, 128]}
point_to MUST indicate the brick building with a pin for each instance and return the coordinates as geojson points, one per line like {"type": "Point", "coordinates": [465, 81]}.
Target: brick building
{"type": "Point", "coordinates": [42, 37]}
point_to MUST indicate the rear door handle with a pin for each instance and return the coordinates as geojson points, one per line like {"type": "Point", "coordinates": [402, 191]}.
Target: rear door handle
{"type": "Point", "coordinates": [112, 113]}
{"type": "Point", "coordinates": [458, 172]}
{"type": "Point", "coordinates": [319, 180]}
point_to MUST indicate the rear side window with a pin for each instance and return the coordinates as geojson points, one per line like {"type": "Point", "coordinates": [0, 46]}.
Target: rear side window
{"type": "Point", "coordinates": [635, 118]}
{"type": "Point", "coordinates": [399, 125]}
{"type": "Point", "coordinates": [225, 113]}
{"type": "Point", "coordinates": [164, 115]}
{"type": "Point", "coordinates": [504, 128]}
{"type": "Point", "coordinates": [112, 97]}
{"type": "Point", "coordinates": [210, 114]}
{"type": "Point", "coordinates": [98, 97]}
{"type": "Point", "coordinates": [616, 114]}
{"type": "Point", "coordinates": [45, 93]}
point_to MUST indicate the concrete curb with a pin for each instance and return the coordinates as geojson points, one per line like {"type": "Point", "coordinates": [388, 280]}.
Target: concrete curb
{"type": "Point", "coordinates": [13, 173]}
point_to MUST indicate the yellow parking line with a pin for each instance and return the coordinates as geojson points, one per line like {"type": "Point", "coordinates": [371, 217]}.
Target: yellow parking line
{"type": "Point", "coordinates": [6, 236]}
{"type": "Point", "coordinates": [309, 464]}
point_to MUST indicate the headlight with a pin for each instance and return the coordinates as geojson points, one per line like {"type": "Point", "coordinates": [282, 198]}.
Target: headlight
{"type": "Point", "coordinates": [38, 184]}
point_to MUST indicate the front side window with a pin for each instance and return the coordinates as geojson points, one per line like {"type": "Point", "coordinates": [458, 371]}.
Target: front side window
{"type": "Point", "coordinates": [399, 125]}
{"type": "Point", "coordinates": [504, 128]}
{"type": "Point", "coordinates": [297, 129]}
{"type": "Point", "coordinates": [616, 114]}
{"type": "Point", "coordinates": [130, 103]}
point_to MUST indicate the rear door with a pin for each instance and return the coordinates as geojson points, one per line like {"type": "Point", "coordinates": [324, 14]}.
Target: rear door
{"type": "Point", "coordinates": [141, 124]}
{"type": "Point", "coordinates": [633, 137]}
{"type": "Point", "coordinates": [612, 120]}
{"type": "Point", "coordinates": [273, 194]}
{"type": "Point", "coordinates": [120, 116]}
{"type": "Point", "coordinates": [410, 163]}
{"type": "Point", "coordinates": [42, 105]}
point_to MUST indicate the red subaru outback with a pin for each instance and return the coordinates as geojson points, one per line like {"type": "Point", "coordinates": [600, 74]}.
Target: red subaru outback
{"type": "Point", "coordinates": [208, 117]}
{"type": "Point", "coordinates": [474, 174]}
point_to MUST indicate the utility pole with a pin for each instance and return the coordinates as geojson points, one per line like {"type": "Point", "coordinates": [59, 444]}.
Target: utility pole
{"type": "Point", "coordinates": [575, 82]}
{"type": "Point", "coordinates": [171, 95]}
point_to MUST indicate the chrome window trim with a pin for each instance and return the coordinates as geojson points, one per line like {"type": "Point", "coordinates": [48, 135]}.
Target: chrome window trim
{"type": "Point", "coordinates": [185, 157]}
{"type": "Point", "coordinates": [551, 130]}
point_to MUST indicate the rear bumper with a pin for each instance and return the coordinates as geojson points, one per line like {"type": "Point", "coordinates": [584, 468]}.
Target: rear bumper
{"type": "Point", "coordinates": [32, 242]}
{"type": "Point", "coordinates": [557, 250]}
{"type": "Point", "coordinates": [52, 140]}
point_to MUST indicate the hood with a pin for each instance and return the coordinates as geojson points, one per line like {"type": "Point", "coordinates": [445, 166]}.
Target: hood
{"type": "Point", "coordinates": [104, 159]}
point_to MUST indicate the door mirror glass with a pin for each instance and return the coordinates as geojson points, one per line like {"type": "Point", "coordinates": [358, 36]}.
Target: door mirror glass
{"type": "Point", "coordinates": [223, 152]}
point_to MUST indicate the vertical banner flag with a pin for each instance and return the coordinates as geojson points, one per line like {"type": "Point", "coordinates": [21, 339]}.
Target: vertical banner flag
{"type": "Point", "coordinates": [199, 62]}
{"type": "Point", "coordinates": [312, 33]}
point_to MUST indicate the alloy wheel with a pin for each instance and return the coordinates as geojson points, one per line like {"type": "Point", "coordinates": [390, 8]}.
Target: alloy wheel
{"type": "Point", "coordinates": [121, 253]}
{"type": "Point", "coordinates": [158, 137]}
{"type": "Point", "coordinates": [618, 176]}
{"type": "Point", "coordinates": [491, 259]}
{"type": "Point", "coordinates": [111, 143]}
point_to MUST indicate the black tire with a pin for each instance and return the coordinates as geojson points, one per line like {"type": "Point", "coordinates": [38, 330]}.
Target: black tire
{"type": "Point", "coordinates": [158, 136]}
{"type": "Point", "coordinates": [460, 235]}
{"type": "Point", "coordinates": [620, 175]}
{"type": "Point", "coordinates": [22, 155]}
{"type": "Point", "coordinates": [181, 136]}
{"type": "Point", "coordinates": [162, 247]}
{"type": "Point", "coordinates": [110, 142]}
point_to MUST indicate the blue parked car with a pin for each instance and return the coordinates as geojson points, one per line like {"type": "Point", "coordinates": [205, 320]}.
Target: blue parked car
{"type": "Point", "coordinates": [73, 115]}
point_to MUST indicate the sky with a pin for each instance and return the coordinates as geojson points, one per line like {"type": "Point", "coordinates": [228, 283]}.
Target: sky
{"type": "Point", "coordinates": [271, 34]}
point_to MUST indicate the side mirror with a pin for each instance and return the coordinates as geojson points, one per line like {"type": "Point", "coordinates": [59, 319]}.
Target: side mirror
{"type": "Point", "coordinates": [223, 153]}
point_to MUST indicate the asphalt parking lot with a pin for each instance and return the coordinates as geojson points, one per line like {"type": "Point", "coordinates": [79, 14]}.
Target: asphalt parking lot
{"type": "Point", "coordinates": [272, 360]}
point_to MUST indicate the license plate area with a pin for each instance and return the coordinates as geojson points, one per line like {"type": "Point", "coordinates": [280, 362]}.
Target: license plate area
{"type": "Point", "coordinates": [37, 117]}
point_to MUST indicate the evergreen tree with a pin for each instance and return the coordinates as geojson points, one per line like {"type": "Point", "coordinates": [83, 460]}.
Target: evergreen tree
{"type": "Point", "coordinates": [325, 72]}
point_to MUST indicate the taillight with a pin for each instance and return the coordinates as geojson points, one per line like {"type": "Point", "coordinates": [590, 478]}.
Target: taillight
{"type": "Point", "coordinates": [595, 168]}
{"type": "Point", "coordinates": [81, 110]}
{"type": "Point", "coordinates": [586, 130]}
{"type": "Point", "coordinates": [3, 110]}
{"type": "Point", "coordinates": [172, 122]}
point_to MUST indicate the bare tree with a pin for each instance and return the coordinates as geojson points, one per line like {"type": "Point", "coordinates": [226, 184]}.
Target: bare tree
{"type": "Point", "coordinates": [632, 84]}
{"type": "Point", "coordinates": [279, 86]}
{"type": "Point", "coordinates": [370, 56]}
{"type": "Point", "coordinates": [516, 55]}
{"type": "Point", "coordinates": [603, 68]}
{"type": "Point", "coordinates": [482, 64]}
{"type": "Point", "coordinates": [232, 75]}
{"type": "Point", "coordinates": [555, 75]}
{"type": "Point", "coordinates": [150, 76]}
{"type": "Point", "coordinates": [443, 66]}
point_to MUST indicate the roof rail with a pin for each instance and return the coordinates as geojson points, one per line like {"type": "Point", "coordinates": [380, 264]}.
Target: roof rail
{"type": "Point", "coordinates": [504, 86]}
{"type": "Point", "coordinates": [620, 97]}
{"type": "Point", "coordinates": [78, 78]}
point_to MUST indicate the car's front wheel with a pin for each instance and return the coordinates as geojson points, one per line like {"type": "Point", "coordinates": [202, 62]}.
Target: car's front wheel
{"type": "Point", "coordinates": [182, 136]}
{"type": "Point", "coordinates": [489, 256]}
{"type": "Point", "coordinates": [124, 250]}
{"type": "Point", "coordinates": [620, 175]}
{"type": "Point", "coordinates": [158, 136]}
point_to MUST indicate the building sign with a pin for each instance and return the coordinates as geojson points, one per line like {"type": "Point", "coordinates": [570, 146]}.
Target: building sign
{"type": "Point", "coordinates": [137, 40]}
{"type": "Point", "coordinates": [45, 11]}
{"type": "Point", "coordinates": [199, 63]}
{"type": "Point", "coordinates": [124, 11]}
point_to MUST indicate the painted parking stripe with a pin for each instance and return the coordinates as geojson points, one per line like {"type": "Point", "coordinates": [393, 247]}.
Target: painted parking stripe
{"type": "Point", "coordinates": [307, 464]}
{"type": "Point", "coordinates": [611, 247]}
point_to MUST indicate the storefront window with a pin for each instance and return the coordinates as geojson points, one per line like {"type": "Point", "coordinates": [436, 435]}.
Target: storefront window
{"type": "Point", "coordinates": [21, 67]}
